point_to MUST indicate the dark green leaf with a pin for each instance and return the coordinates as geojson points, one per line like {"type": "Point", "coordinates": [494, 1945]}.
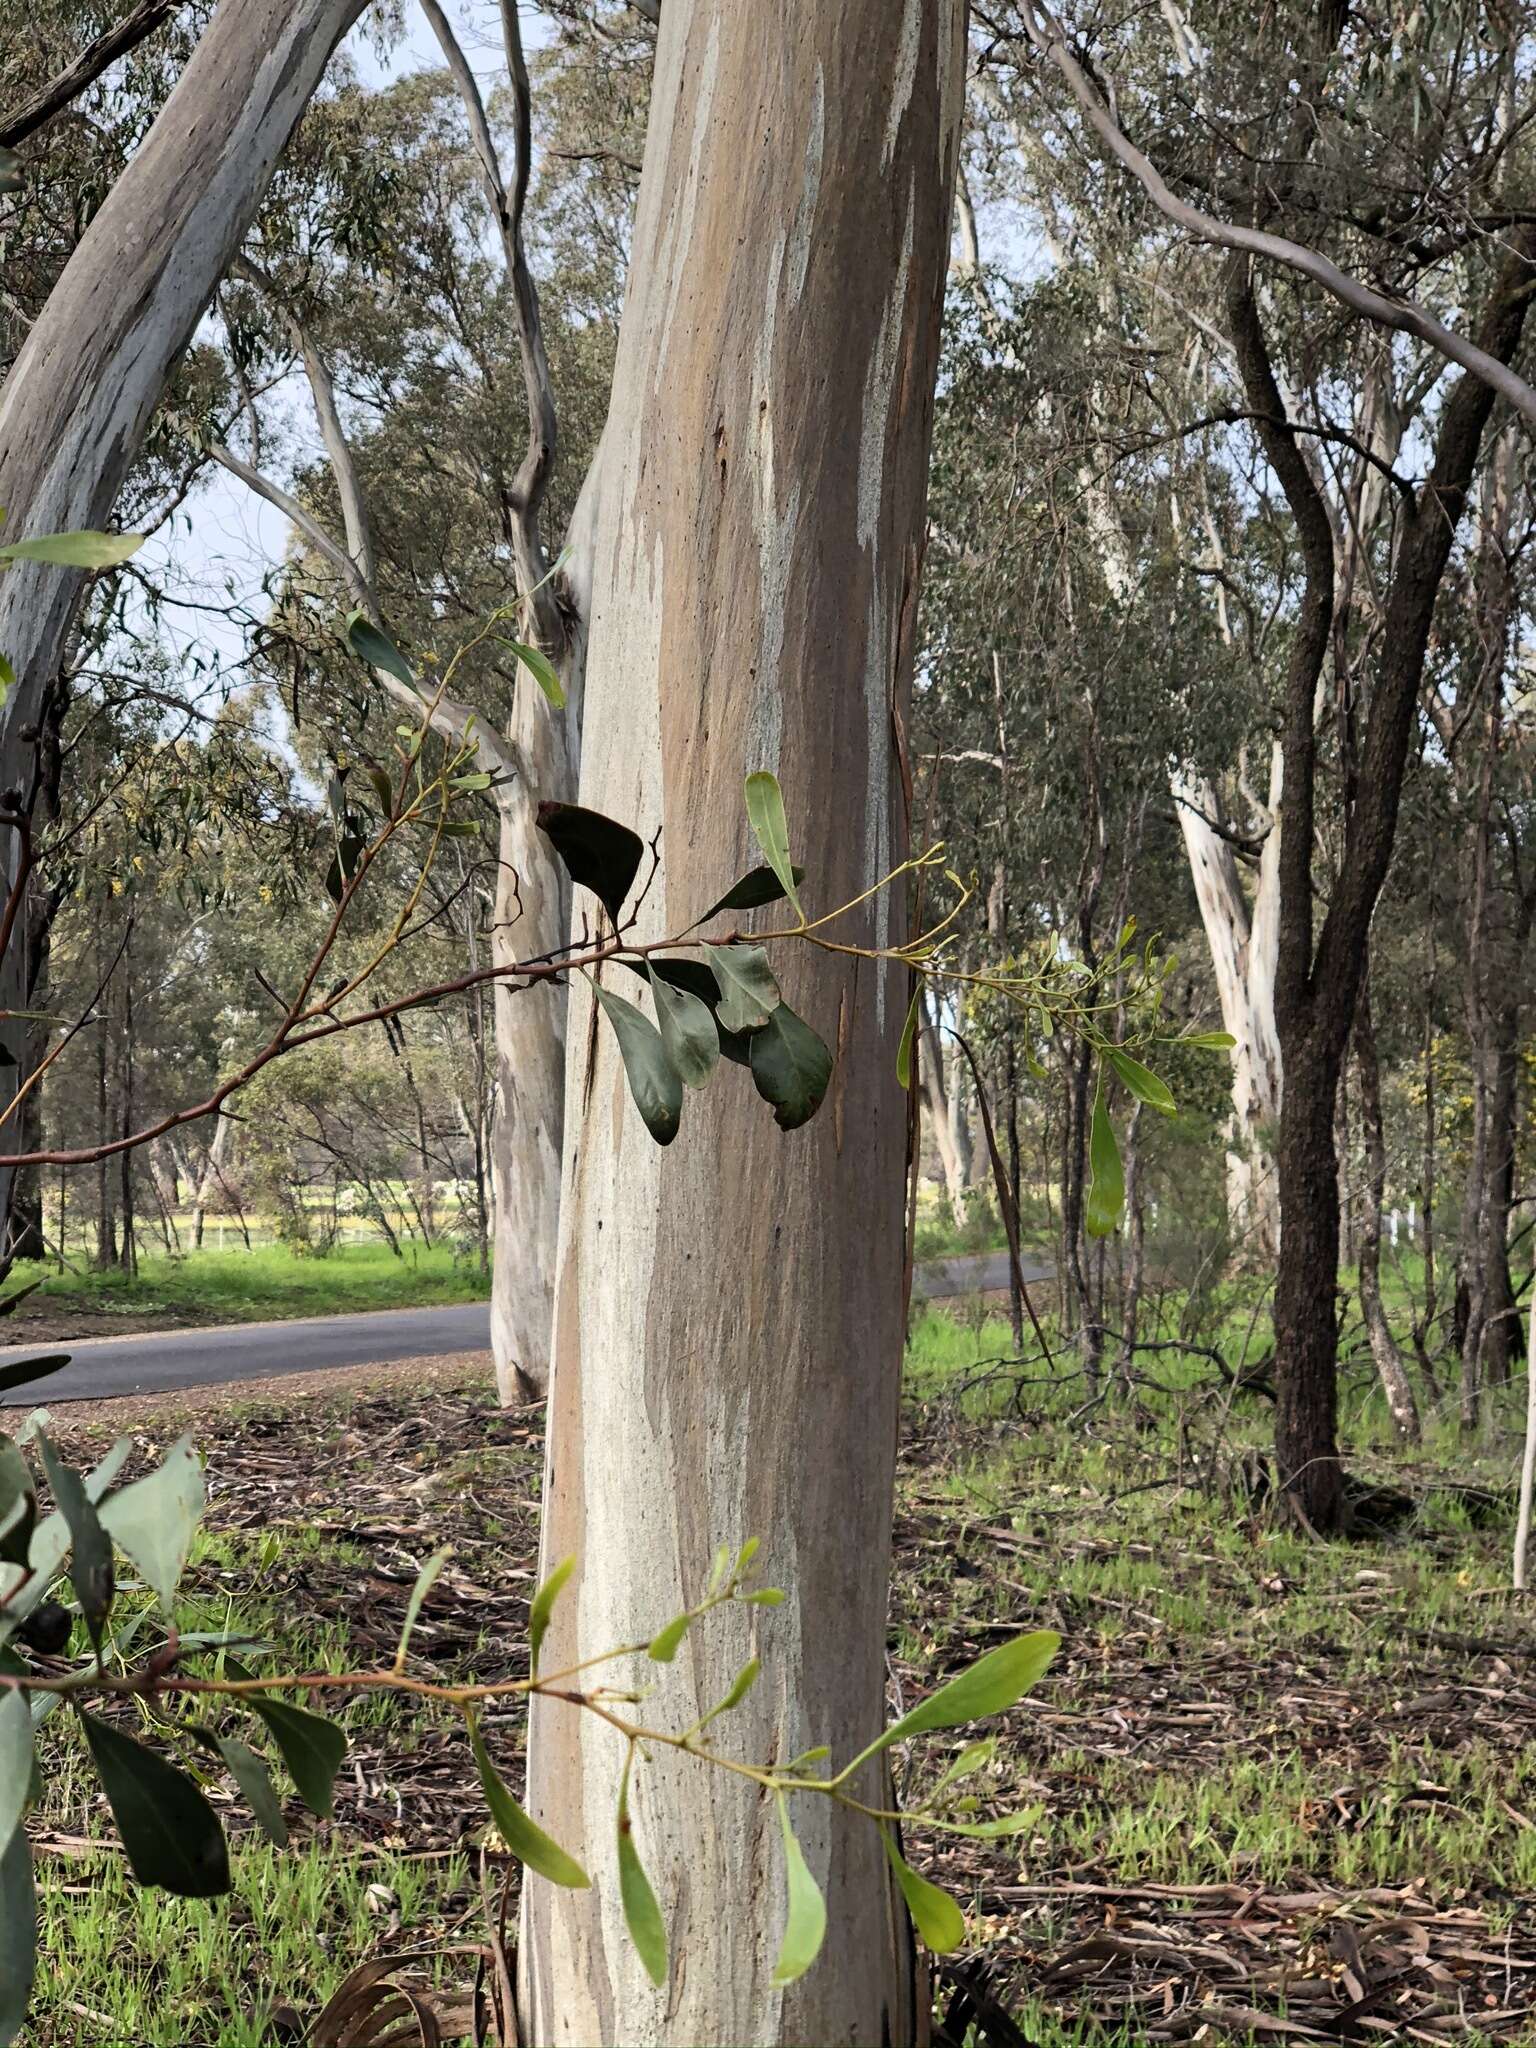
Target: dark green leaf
{"type": "Point", "coordinates": [654, 1082]}
{"type": "Point", "coordinates": [18, 1935]}
{"type": "Point", "coordinates": [991, 1685]}
{"type": "Point", "coordinates": [695, 979]}
{"type": "Point", "coordinates": [599, 853]}
{"type": "Point", "coordinates": [1142, 1082]}
{"type": "Point", "coordinates": [25, 1370]}
{"type": "Point", "coordinates": [18, 1504]}
{"type": "Point", "coordinates": [75, 550]}
{"type": "Point", "coordinates": [255, 1782]}
{"type": "Point", "coordinates": [1106, 1191]}
{"type": "Point", "coordinates": [12, 171]}
{"type": "Point", "coordinates": [688, 1031]}
{"type": "Point", "coordinates": [154, 1520]}
{"type": "Point", "coordinates": [805, 1924]}
{"type": "Point", "coordinates": [748, 992]}
{"type": "Point", "coordinates": [542, 1607]}
{"type": "Point", "coordinates": [90, 1561]}
{"type": "Point", "coordinates": [523, 1837]}
{"type": "Point", "coordinates": [938, 1920]}
{"type": "Point", "coordinates": [765, 811]}
{"type": "Point", "coordinates": [791, 1068]}
{"type": "Point", "coordinates": [542, 669]}
{"type": "Point", "coordinates": [642, 1915]}
{"type": "Point", "coordinates": [312, 1749]}
{"type": "Point", "coordinates": [757, 887]}
{"type": "Point", "coordinates": [171, 1833]}
{"type": "Point", "coordinates": [376, 648]}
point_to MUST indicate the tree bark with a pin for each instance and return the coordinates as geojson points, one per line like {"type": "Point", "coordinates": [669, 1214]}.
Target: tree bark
{"type": "Point", "coordinates": [81, 393]}
{"type": "Point", "coordinates": [940, 1107]}
{"type": "Point", "coordinates": [729, 1311]}
{"type": "Point", "coordinates": [1389, 1363]}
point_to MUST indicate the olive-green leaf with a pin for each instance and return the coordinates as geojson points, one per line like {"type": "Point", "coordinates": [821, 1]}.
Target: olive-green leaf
{"type": "Point", "coordinates": [75, 550]}
{"type": "Point", "coordinates": [154, 1520]}
{"type": "Point", "coordinates": [740, 1686]}
{"type": "Point", "coordinates": [171, 1833]}
{"type": "Point", "coordinates": [756, 888]}
{"type": "Point", "coordinates": [523, 1837]}
{"type": "Point", "coordinates": [992, 1684]}
{"type": "Point", "coordinates": [642, 1915]}
{"type": "Point", "coordinates": [12, 171]}
{"type": "Point", "coordinates": [805, 1924]}
{"type": "Point", "coordinates": [376, 648]}
{"type": "Point", "coordinates": [1106, 1191]}
{"type": "Point", "coordinates": [908, 1038]}
{"type": "Point", "coordinates": [982, 1830]}
{"type": "Point", "coordinates": [18, 1503]}
{"type": "Point", "coordinates": [90, 1560]}
{"type": "Point", "coordinates": [664, 1645]}
{"type": "Point", "coordinates": [255, 1782]}
{"type": "Point", "coordinates": [791, 1068]}
{"type": "Point", "coordinates": [974, 1757]}
{"type": "Point", "coordinates": [1210, 1041]}
{"type": "Point", "coordinates": [748, 992]}
{"type": "Point", "coordinates": [1142, 1082]}
{"type": "Point", "coordinates": [312, 1748]}
{"type": "Point", "coordinates": [938, 1920]}
{"type": "Point", "coordinates": [426, 1579]}
{"type": "Point", "coordinates": [18, 1935]}
{"type": "Point", "coordinates": [765, 812]}
{"type": "Point", "coordinates": [542, 669]}
{"type": "Point", "coordinates": [542, 1607]}
{"type": "Point", "coordinates": [655, 1084]}
{"type": "Point", "coordinates": [687, 1030]}
{"type": "Point", "coordinates": [15, 1761]}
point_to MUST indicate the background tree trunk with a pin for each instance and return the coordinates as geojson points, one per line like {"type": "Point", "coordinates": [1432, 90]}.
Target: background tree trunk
{"type": "Point", "coordinates": [1389, 1364]}
{"type": "Point", "coordinates": [729, 1312]}
{"type": "Point", "coordinates": [81, 393]}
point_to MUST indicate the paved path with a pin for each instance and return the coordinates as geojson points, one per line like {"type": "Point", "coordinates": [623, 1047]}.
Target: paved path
{"type": "Point", "coordinates": [161, 1361]}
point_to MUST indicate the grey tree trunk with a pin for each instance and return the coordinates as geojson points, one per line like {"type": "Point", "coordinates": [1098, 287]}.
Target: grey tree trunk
{"type": "Point", "coordinates": [80, 395]}
{"type": "Point", "coordinates": [729, 1312]}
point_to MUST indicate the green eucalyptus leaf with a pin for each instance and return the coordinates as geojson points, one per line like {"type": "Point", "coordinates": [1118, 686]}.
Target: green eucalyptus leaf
{"type": "Point", "coordinates": [688, 1031]}
{"type": "Point", "coordinates": [18, 1935]}
{"type": "Point", "coordinates": [642, 1915]}
{"type": "Point", "coordinates": [18, 1504]}
{"type": "Point", "coordinates": [541, 1609]}
{"type": "Point", "coordinates": [974, 1757]}
{"type": "Point", "coordinates": [90, 1562]}
{"type": "Point", "coordinates": [15, 1761]}
{"type": "Point", "coordinates": [991, 1685]}
{"type": "Point", "coordinates": [654, 1082]}
{"type": "Point", "coordinates": [939, 1921]}
{"type": "Point", "coordinates": [1106, 1191]}
{"type": "Point", "coordinates": [1210, 1041]}
{"type": "Point", "coordinates": [375, 647]}
{"type": "Point", "coordinates": [765, 812]}
{"type": "Point", "coordinates": [254, 1780]}
{"type": "Point", "coordinates": [426, 1579]}
{"type": "Point", "coordinates": [759, 886]}
{"type": "Point", "coordinates": [312, 1748]}
{"type": "Point", "coordinates": [24, 1370]}
{"type": "Point", "coordinates": [154, 1520]}
{"type": "Point", "coordinates": [523, 1837]}
{"type": "Point", "coordinates": [748, 992]}
{"type": "Point", "coordinates": [791, 1068]}
{"type": "Point", "coordinates": [805, 1924]}
{"type": "Point", "coordinates": [171, 1833]}
{"type": "Point", "coordinates": [542, 669]}
{"type": "Point", "coordinates": [74, 550]}
{"type": "Point", "coordinates": [909, 1038]}
{"type": "Point", "coordinates": [666, 1642]}
{"type": "Point", "coordinates": [1142, 1082]}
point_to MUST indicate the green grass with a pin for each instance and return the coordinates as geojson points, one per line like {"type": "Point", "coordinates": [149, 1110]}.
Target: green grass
{"type": "Point", "coordinates": [267, 1284]}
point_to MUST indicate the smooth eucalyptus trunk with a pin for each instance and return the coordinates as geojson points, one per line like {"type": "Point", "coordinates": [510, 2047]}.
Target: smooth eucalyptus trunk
{"type": "Point", "coordinates": [1390, 1369]}
{"type": "Point", "coordinates": [729, 1311]}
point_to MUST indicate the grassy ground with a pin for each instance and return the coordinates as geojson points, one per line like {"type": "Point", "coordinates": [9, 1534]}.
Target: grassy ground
{"type": "Point", "coordinates": [1275, 1790]}
{"type": "Point", "coordinates": [240, 1286]}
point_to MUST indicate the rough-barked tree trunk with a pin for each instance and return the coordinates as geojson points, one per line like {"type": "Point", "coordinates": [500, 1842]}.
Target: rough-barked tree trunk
{"type": "Point", "coordinates": [729, 1311]}
{"type": "Point", "coordinates": [1390, 1369]}
{"type": "Point", "coordinates": [81, 393]}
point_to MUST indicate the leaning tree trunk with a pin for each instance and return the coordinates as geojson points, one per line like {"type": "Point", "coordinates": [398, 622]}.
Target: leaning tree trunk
{"type": "Point", "coordinates": [729, 1312]}
{"type": "Point", "coordinates": [81, 393]}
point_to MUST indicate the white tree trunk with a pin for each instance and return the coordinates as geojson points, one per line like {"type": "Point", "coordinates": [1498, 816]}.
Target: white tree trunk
{"type": "Point", "coordinates": [1244, 943]}
{"type": "Point", "coordinates": [729, 1312]}
{"type": "Point", "coordinates": [81, 393]}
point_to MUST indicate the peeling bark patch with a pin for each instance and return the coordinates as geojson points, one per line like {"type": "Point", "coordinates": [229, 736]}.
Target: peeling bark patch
{"type": "Point", "coordinates": [906, 77]}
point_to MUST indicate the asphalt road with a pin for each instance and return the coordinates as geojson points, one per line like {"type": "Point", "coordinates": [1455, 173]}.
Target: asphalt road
{"type": "Point", "coordinates": [162, 1361]}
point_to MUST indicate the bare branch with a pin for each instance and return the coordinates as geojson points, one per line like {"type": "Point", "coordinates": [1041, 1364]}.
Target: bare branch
{"type": "Point", "coordinates": [95, 58]}
{"type": "Point", "coordinates": [1405, 316]}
